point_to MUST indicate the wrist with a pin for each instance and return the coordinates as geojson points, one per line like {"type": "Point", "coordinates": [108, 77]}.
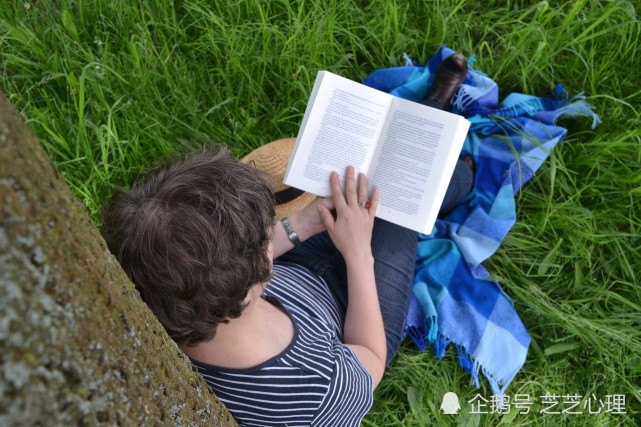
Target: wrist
{"type": "Point", "coordinates": [361, 259]}
{"type": "Point", "coordinates": [290, 232]}
{"type": "Point", "coordinates": [304, 229]}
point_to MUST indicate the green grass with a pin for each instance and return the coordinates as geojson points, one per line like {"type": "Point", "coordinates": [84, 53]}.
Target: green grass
{"type": "Point", "coordinates": [108, 86]}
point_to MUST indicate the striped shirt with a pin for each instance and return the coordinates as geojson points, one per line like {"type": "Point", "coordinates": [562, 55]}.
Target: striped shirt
{"type": "Point", "coordinates": [316, 380]}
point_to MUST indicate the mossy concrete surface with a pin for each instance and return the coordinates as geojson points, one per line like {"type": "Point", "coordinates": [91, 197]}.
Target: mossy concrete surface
{"type": "Point", "coordinates": [77, 344]}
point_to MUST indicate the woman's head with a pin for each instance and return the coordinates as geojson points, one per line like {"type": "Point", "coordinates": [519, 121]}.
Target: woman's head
{"type": "Point", "coordinates": [193, 236]}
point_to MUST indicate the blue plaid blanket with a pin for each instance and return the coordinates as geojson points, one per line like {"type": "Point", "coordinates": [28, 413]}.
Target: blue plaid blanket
{"type": "Point", "coordinates": [453, 301]}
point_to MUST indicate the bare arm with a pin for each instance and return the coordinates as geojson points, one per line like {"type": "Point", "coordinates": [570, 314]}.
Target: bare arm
{"type": "Point", "coordinates": [351, 233]}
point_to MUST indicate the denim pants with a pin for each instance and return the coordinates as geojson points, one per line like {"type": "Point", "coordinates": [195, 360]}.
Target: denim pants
{"type": "Point", "coordinates": [394, 251]}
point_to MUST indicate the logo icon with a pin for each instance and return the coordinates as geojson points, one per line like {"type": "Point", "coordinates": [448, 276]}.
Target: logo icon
{"type": "Point", "coordinates": [450, 403]}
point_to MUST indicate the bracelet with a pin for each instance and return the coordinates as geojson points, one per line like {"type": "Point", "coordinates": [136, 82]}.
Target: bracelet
{"type": "Point", "coordinates": [291, 234]}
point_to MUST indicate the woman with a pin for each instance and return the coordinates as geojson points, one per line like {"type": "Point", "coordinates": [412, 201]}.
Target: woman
{"type": "Point", "coordinates": [292, 323]}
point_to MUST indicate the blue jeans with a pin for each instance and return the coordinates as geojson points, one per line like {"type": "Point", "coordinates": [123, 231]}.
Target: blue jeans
{"type": "Point", "coordinates": [394, 251]}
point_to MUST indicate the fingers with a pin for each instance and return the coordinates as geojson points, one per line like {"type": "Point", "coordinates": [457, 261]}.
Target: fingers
{"type": "Point", "coordinates": [362, 188]}
{"type": "Point", "coordinates": [363, 195]}
{"type": "Point", "coordinates": [350, 187]}
{"type": "Point", "coordinates": [337, 193]}
{"type": "Point", "coordinates": [355, 190]}
{"type": "Point", "coordinates": [328, 203]}
{"type": "Point", "coordinates": [326, 217]}
{"type": "Point", "coordinates": [376, 195]}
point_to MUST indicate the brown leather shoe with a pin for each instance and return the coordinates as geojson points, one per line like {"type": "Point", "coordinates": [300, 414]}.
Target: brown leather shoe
{"type": "Point", "coordinates": [449, 76]}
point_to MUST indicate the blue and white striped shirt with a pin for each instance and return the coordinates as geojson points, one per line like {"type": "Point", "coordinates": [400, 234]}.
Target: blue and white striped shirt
{"type": "Point", "coordinates": [316, 380]}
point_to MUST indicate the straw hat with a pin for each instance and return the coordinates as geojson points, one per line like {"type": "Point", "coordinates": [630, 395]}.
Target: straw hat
{"type": "Point", "coordinates": [273, 159]}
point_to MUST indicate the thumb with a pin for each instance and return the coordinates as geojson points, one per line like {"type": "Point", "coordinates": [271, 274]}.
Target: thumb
{"type": "Point", "coordinates": [326, 217]}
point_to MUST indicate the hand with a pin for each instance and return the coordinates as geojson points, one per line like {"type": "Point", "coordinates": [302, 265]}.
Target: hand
{"type": "Point", "coordinates": [307, 221]}
{"type": "Point", "coordinates": [351, 230]}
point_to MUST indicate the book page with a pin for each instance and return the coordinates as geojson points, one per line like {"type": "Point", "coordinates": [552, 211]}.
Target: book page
{"type": "Point", "coordinates": [340, 129]}
{"type": "Point", "coordinates": [414, 163]}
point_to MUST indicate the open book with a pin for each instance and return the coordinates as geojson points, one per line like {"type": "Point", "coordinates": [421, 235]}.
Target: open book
{"type": "Point", "coordinates": [407, 150]}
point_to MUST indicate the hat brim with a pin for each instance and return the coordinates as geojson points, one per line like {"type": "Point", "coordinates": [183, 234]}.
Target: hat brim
{"type": "Point", "coordinates": [286, 209]}
{"type": "Point", "coordinates": [273, 159]}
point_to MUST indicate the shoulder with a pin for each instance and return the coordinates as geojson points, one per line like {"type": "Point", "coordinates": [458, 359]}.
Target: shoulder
{"type": "Point", "coordinates": [304, 294]}
{"type": "Point", "coordinates": [316, 380]}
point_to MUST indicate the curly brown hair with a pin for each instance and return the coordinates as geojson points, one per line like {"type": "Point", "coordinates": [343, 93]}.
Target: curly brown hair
{"type": "Point", "coordinates": [193, 236]}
